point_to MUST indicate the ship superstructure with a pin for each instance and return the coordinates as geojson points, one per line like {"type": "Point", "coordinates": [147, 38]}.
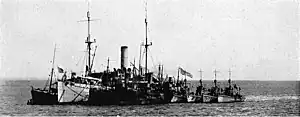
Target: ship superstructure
{"type": "Point", "coordinates": [76, 88]}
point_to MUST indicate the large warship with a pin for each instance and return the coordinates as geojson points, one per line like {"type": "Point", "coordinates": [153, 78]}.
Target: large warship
{"type": "Point", "coordinates": [125, 86]}
{"type": "Point", "coordinates": [120, 86]}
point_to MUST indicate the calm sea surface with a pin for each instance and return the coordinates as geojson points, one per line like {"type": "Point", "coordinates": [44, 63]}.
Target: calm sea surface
{"type": "Point", "coordinates": [262, 98]}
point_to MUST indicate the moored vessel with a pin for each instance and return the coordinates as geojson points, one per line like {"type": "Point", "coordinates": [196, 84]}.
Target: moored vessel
{"type": "Point", "coordinates": [127, 86]}
{"type": "Point", "coordinates": [216, 94]}
{"type": "Point", "coordinates": [47, 95]}
{"type": "Point", "coordinates": [75, 89]}
{"type": "Point", "coordinates": [182, 93]}
{"type": "Point", "coordinates": [231, 93]}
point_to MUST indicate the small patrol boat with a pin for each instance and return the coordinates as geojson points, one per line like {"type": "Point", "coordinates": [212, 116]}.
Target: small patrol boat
{"type": "Point", "coordinates": [47, 95]}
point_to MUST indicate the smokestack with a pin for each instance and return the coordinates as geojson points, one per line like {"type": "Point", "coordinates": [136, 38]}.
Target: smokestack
{"type": "Point", "coordinates": [124, 57]}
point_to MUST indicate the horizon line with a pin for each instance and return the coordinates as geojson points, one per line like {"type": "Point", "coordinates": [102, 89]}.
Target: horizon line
{"type": "Point", "coordinates": [39, 78]}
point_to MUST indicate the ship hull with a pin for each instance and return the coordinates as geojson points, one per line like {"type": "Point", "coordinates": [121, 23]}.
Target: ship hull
{"type": "Point", "coordinates": [114, 98]}
{"type": "Point", "coordinates": [215, 99]}
{"type": "Point", "coordinates": [157, 98]}
{"type": "Point", "coordinates": [72, 93]}
{"type": "Point", "coordinates": [102, 97]}
{"type": "Point", "coordinates": [209, 99]}
{"type": "Point", "coordinates": [179, 99]}
{"type": "Point", "coordinates": [42, 97]}
{"type": "Point", "coordinates": [228, 99]}
{"type": "Point", "coordinates": [191, 98]}
{"type": "Point", "coordinates": [198, 99]}
{"type": "Point", "coordinates": [123, 97]}
{"type": "Point", "coordinates": [202, 99]}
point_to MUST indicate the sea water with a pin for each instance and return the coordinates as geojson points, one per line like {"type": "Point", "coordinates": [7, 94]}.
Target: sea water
{"type": "Point", "coordinates": [271, 98]}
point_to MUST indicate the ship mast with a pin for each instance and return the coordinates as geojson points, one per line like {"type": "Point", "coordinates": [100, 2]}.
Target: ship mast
{"type": "Point", "coordinates": [229, 80]}
{"type": "Point", "coordinates": [200, 74]}
{"type": "Point", "coordinates": [146, 44]}
{"type": "Point", "coordinates": [200, 77]}
{"type": "Point", "coordinates": [107, 68]}
{"type": "Point", "coordinates": [89, 43]}
{"type": "Point", "coordinates": [215, 81]}
{"type": "Point", "coordinates": [52, 70]}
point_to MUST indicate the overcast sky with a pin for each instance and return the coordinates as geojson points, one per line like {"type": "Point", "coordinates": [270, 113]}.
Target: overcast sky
{"type": "Point", "coordinates": [256, 39]}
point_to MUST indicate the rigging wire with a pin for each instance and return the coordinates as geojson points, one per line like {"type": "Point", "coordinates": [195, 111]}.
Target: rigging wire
{"type": "Point", "coordinates": [142, 57]}
{"type": "Point", "coordinates": [83, 64]}
{"type": "Point", "coordinates": [80, 59]}
{"type": "Point", "coordinates": [153, 62]}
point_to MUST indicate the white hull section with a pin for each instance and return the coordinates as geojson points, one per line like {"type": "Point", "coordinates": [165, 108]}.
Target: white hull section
{"type": "Point", "coordinates": [224, 98]}
{"type": "Point", "coordinates": [197, 99]}
{"type": "Point", "coordinates": [72, 93]}
{"type": "Point", "coordinates": [191, 98]}
{"type": "Point", "coordinates": [194, 98]}
{"type": "Point", "coordinates": [174, 99]}
{"type": "Point", "coordinates": [177, 98]}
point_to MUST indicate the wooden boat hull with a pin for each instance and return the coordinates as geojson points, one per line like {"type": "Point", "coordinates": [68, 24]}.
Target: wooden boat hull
{"type": "Point", "coordinates": [42, 97]}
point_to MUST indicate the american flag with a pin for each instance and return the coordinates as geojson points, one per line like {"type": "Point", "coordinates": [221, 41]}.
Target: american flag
{"type": "Point", "coordinates": [183, 72]}
{"type": "Point", "coordinates": [60, 70]}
